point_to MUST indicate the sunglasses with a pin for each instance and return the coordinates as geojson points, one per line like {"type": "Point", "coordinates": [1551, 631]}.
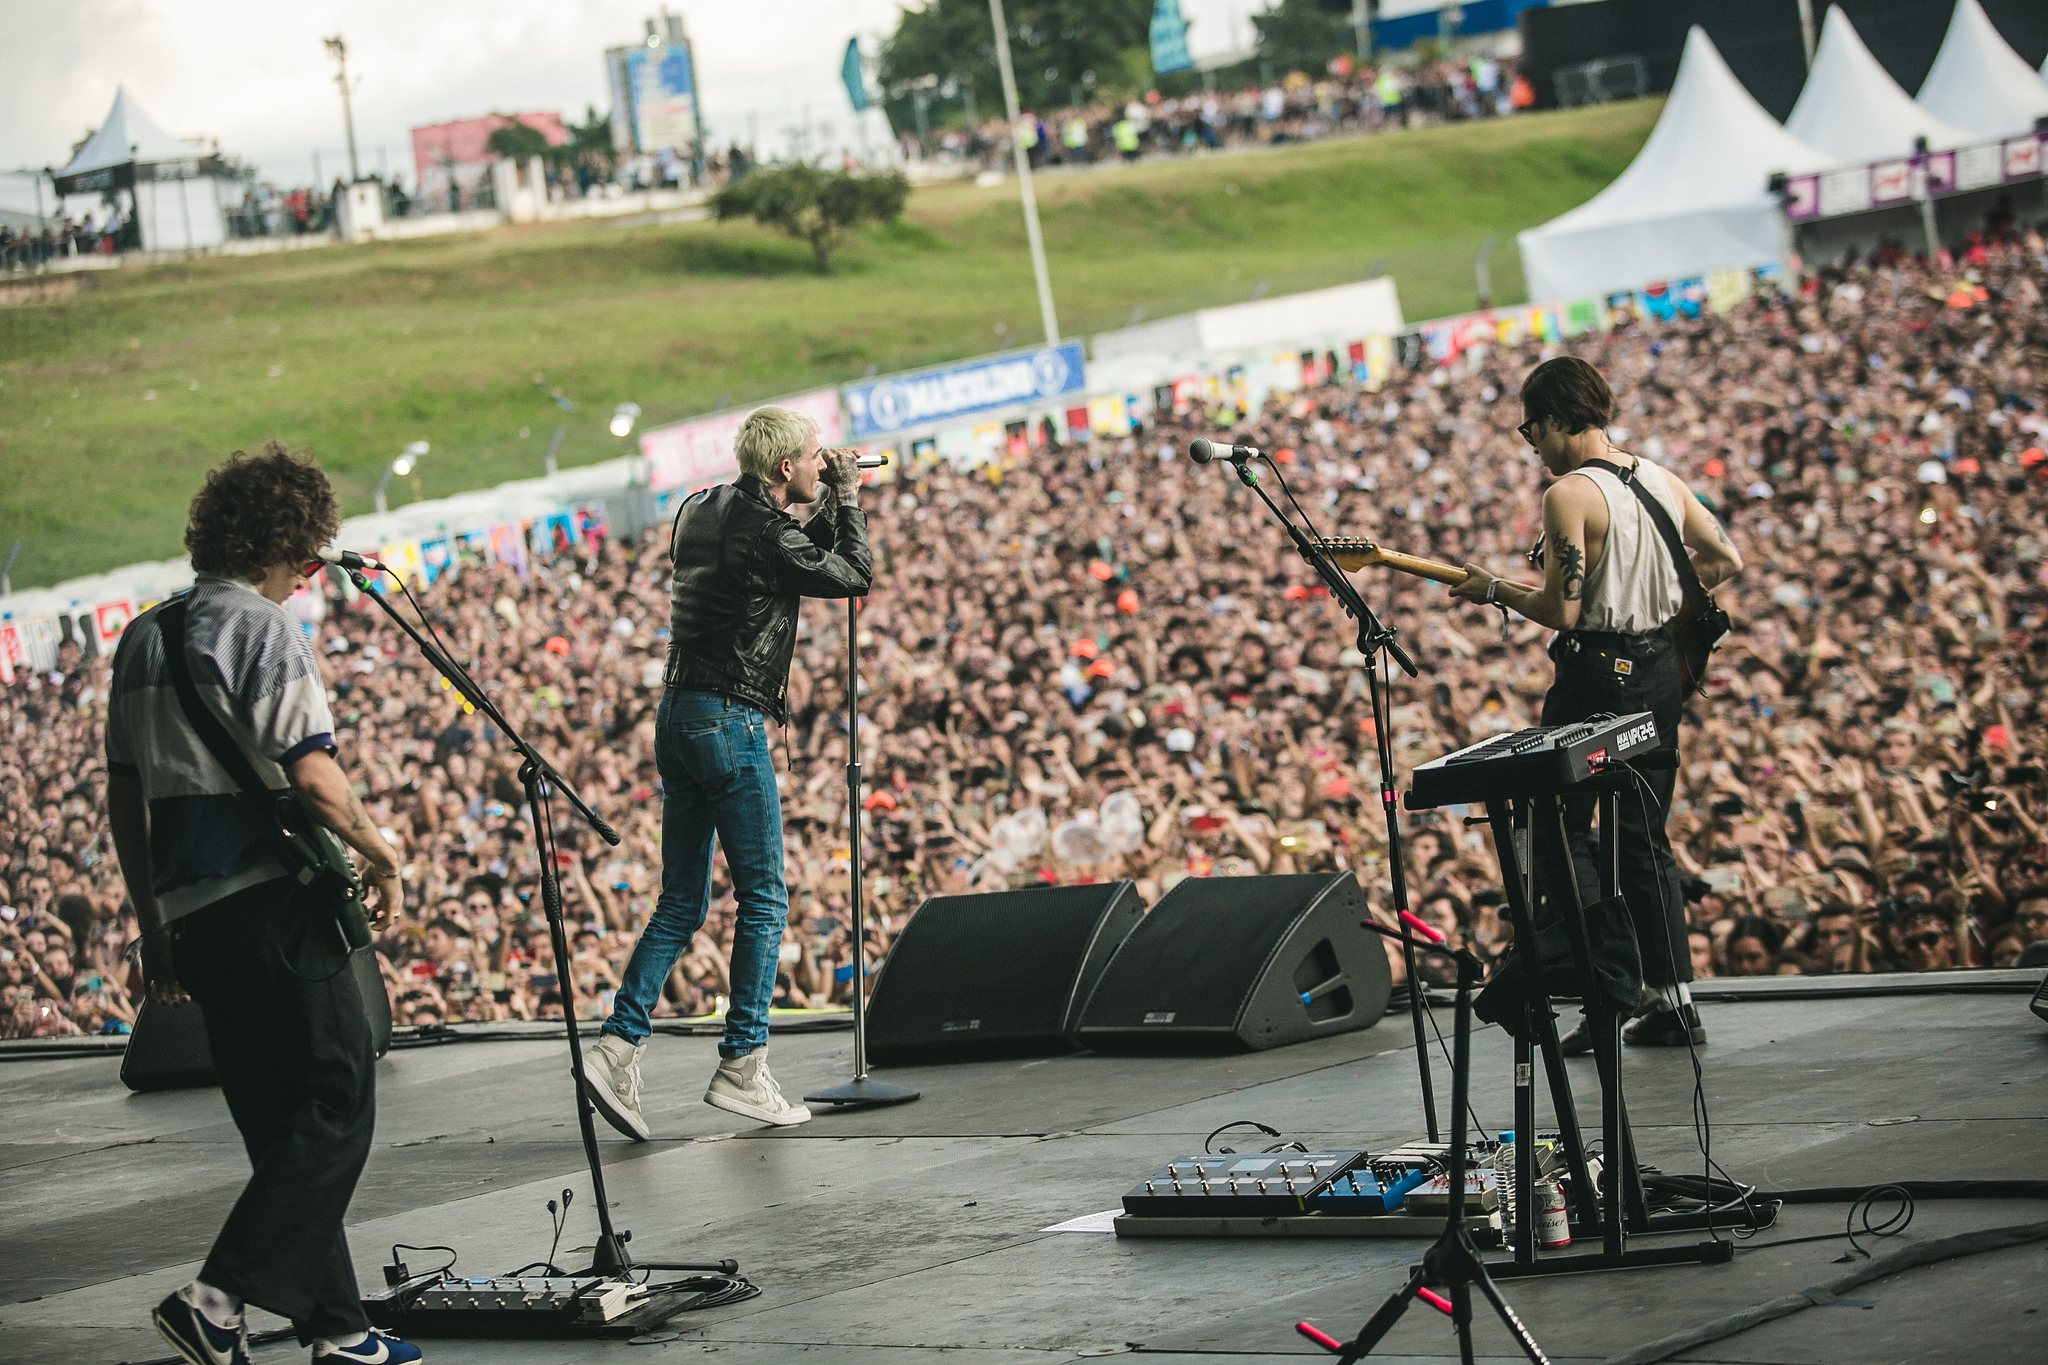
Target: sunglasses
{"type": "Point", "coordinates": [1527, 430]}
{"type": "Point", "coordinates": [1923, 940]}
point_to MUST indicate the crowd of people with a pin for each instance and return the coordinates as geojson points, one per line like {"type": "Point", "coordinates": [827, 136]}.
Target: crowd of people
{"type": "Point", "coordinates": [1099, 661]}
{"type": "Point", "coordinates": [1294, 108]}
{"type": "Point", "coordinates": [23, 247]}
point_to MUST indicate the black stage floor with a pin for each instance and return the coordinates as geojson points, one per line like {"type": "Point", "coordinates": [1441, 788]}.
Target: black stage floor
{"type": "Point", "coordinates": [900, 1234]}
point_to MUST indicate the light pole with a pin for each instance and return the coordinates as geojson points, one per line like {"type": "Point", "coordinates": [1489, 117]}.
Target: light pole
{"type": "Point", "coordinates": [1482, 272]}
{"type": "Point", "coordinates": [338, 50]}
{"type": "Point", "coordinates": [403, 465]}
{"type": "Point", "coordinates": [566, 404]}
{"type": "Point", "coordinates": [1031, 233]}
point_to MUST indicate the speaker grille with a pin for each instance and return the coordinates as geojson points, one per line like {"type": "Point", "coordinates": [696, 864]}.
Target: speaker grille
{"type": "Point", "coordinates": [992, 968]}
{"type": "Point", "coordinates": [1191, 963]}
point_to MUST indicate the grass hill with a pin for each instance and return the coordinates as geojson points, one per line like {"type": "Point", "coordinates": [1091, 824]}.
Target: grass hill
{"type": "Point", "coordinates": [114, 403]}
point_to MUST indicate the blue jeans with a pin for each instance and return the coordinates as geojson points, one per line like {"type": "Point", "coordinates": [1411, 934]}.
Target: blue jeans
{"type": "Point", "coordinates": [716, 777]}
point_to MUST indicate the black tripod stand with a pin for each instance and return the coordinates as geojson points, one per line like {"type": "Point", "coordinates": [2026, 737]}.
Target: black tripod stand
{"type": "Point", "coordinates": [1374, 638]}
{"type": "Point", "coordinates": [1452, 1262]}
{"type": "Point", "coordinates": [609, 1256]}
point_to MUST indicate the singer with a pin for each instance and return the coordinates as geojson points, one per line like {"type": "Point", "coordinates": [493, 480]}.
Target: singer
{"type": "Point", "coordinates": [1609, 589]}
{"type": "Point", "coordinates": [741, 566]}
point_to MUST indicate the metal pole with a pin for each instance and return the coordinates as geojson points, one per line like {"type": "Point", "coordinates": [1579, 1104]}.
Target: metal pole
{"type": "Point", "coordinates": [1031, 233]}
{"type": "Point", "coordinates": [339, 48]}
{"type": "Point", "coordinates": [860, 961]}
{"type": "Point", "coordinates": [1361, 28]}
{"type": "Point", "coordinates": [1806, 30]}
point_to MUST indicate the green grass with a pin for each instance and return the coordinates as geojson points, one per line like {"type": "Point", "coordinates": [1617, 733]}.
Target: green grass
{"type": "Point", "coordinates": [438, 340]}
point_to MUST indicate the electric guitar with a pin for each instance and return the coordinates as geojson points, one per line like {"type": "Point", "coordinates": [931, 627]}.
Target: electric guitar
{"type": "Point", "coordinates": [1352, 553]}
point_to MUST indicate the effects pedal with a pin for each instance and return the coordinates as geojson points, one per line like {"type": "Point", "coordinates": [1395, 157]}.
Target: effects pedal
{"type": "Point", "coordinates": [1269, 1184]}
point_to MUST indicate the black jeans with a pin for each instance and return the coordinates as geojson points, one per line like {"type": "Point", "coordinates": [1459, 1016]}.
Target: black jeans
{"type": "Point", "coordinates": [296, 1064]}
{"type": "Point", "coordinates": [1622, 674]}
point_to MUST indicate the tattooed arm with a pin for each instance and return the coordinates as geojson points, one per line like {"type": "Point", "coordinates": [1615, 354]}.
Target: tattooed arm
{"type": "Point", "coordinates": [1714, 558]}
{"type": "Point", "coordinates": [325, 790]}
{"type": "Point", "coordinates": [1556, 604]}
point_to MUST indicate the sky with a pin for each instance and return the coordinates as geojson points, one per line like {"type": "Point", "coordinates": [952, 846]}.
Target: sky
{"type": "Point", "coordinates": [255, 76]}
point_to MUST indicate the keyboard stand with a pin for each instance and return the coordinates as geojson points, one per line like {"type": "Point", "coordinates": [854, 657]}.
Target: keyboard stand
{"type": "Point", "coordinates": [1536, 823]}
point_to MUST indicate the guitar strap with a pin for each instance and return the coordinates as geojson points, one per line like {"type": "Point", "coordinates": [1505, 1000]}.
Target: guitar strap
{"type": "Point", "coordinates": [1709, 621]}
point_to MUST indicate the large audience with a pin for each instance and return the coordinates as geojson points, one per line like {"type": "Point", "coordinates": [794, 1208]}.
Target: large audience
{"type": "Point", "coordinates": [1098, 661]}
{"type": "Point", "coordinates": [1294, 108]}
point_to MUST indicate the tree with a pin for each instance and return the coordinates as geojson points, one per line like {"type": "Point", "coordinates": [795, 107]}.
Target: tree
{"type": "Point", "coordinates": [590, 142]}
{"type": "Point", "coordinates": [811, 206]}
{"type": "Point", "coordinates": [515, 141]}
{"type": "Point", "coordinates": [1056, 46]}
{"type": "Point", "coordinates": [1302, 35]}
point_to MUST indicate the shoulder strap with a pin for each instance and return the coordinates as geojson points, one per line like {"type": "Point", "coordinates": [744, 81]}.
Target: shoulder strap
{"type": "Point", "coordinates": [170, 624]}
{"type": "Point", "coordinates": [1688, 576]}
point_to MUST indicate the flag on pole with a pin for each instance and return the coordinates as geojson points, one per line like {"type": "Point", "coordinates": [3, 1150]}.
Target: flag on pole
{"type": "Point", "coordinates": [1169, 38]}
{"type": "Point", "coordinates": [856, 81]}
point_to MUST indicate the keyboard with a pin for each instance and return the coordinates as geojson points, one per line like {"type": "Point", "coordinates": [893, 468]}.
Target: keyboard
{"type": "Point", "coordinates": [1542, 761]}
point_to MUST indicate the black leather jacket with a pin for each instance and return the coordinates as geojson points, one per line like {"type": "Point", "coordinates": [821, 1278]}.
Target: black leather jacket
{"type": "Point", "coordinates": [741, 564]}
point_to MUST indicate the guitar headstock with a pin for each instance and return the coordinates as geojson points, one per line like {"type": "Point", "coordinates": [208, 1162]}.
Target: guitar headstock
{"type": "Point", "coordinates": [1351, 553]}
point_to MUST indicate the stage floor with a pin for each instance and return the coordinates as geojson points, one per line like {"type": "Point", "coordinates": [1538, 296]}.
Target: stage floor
{"type": "Point", "coordinates": [901, 1234]}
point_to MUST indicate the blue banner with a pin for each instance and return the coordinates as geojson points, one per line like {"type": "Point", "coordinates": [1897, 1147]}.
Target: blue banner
{"type": "Point", "coordinates": [850, 72]}
{"type": "Point", "coordinates": [882, 407]}
{"type": "Point", "coordinates": [1169, 38]}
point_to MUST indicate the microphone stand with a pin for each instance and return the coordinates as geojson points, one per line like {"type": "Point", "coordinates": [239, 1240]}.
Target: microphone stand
{"type": "Point", "coordinates": [609, 1258]}
{"type": "Point", "coordinates": [861, 1092]}
{"type": "Point", "coordinates": [1374, 636]}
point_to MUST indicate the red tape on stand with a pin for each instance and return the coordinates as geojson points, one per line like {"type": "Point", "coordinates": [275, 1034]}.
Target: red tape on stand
{"type": "Point", "coordinates": [1422, 927]}
{"type": "Point", "coordinates": [1434, 1300]}
{"type": "Point", "coordinates": [1320, 1338]}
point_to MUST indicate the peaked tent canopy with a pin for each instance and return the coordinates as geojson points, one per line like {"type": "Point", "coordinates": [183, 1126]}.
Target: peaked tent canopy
{"type": "Point", "coordinates": [1695, 199]}
{"type": "Point", "coordinates": [127, 135]}
{"type": "Point", "coordinates": [1978, 82]}
{"type": "Point", "coordinates": [1854, 111]}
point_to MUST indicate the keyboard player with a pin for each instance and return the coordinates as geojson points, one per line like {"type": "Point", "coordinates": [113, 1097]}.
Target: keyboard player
{"type": "Point", "coordinates": [1609, 587]}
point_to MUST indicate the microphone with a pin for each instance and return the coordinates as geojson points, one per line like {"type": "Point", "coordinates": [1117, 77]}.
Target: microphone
{"type": "Point", "coordinates": [348, 559]}
{"type": "Point", "coordinates": [1202, 451]}
{"type": "Point", "coordinates": [871, 461]}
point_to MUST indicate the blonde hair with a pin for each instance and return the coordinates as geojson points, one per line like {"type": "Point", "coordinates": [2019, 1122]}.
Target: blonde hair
{"type": "Point", "coordinates": [769, 436]}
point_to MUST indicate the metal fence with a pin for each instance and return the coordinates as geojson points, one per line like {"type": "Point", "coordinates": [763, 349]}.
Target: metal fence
{"type": "Point", "coordinates": [1602, 80]}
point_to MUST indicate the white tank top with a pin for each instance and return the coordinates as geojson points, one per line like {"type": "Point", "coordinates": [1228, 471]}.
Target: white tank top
{"type": "Point", "coordinates": [1633, 587]}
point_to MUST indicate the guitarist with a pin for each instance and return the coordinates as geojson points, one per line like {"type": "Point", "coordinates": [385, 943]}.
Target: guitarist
{"type": "Point", "coordinates": [1609, 589]}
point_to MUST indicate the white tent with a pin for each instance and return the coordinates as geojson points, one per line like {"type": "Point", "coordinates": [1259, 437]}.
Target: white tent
{"type": "Point", "coordinates": [1854, 111]}
{"type": "Point", "coordinates": [1695, 199]}
{"type": "Point", "coordinates": [1978, 82]}
{"type": "Point", "coordinates": [176, 189]}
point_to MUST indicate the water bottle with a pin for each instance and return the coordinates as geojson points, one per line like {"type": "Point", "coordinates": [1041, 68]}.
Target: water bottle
{"type": "Point", "coordinates": [1504, 1177]}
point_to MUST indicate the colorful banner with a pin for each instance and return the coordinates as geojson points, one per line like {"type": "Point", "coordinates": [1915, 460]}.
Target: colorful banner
{"type": "Point", "coordinates": [698, 452]}
{"type": "Point", "coordinates": [1725, 289]}
{"type": "Point", "coordinates": [109, 620]}
{"type": "Point", "coordinates": [883, 407]}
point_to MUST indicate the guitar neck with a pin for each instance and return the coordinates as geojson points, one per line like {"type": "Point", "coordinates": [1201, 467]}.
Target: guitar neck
{"type": "Point", "coordinates": [1434, 569]}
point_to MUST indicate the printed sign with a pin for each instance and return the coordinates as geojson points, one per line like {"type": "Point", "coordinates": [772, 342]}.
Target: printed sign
{"type": "Point", "coordinates": [884, 406]}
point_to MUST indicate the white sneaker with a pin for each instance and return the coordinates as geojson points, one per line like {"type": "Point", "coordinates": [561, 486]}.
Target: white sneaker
{"type": "Point", "coordinates": [611, 1076]}
{"type": "Point", "coordinates": [743, 1086]}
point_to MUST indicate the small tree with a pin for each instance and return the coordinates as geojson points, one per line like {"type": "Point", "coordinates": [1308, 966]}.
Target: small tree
{"type": "Point", "coordinates": [812, 206]}
{"type": "Point", "coordinates": [516, 141]}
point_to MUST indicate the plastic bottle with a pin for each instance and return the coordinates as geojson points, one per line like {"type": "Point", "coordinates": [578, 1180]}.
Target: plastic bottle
{"type": "Point", "coordinates": [1504, 1176]}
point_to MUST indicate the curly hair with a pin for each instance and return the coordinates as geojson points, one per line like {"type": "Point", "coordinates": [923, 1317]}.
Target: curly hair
{"type": "Point", "coordinates": [258, 511]}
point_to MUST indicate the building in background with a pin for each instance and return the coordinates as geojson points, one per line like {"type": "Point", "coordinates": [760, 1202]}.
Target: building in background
{"type": "Point", "coordinates": [656, 113]}
{"type": "Point", "coordinates": [179, 190]}
{"type": "Point", "coordinates": [457, 156]}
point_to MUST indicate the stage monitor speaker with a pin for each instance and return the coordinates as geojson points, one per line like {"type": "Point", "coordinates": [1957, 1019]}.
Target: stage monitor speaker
{"type": "Point", "coordinates": [1242, 962]}
{"type": "Point", "coordinates": [168, 1050]}
{"type": "Point", "coordinates": [1002, 974]}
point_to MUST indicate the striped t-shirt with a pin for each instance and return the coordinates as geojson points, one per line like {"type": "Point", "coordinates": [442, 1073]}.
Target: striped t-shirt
{"type": "Point", "coordinates": [254, 668]}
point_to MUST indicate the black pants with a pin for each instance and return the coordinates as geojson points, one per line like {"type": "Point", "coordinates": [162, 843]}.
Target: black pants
{"type": "Point", "coordinates": [1623, 674]}
{"type": "Point", "coordinates": [295, 1059]}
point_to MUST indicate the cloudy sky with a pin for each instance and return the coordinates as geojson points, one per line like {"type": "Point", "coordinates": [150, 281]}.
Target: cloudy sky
{"type": "Point", "coordinates": [255, 76]}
